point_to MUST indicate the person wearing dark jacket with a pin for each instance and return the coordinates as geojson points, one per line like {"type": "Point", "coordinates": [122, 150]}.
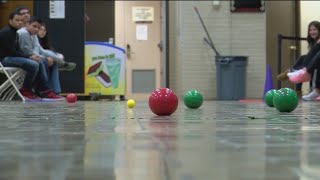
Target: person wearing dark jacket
{"type": "Point", "coordinates": [11, 56]}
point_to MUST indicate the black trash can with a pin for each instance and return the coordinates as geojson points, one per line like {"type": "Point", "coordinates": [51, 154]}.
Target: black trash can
{"type": "Point", "coordinates": [231, 77]}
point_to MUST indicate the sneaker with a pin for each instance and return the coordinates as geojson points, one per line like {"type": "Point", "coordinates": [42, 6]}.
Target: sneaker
{"type": "Point", "coordinates": [299, 76]}
{"type": "Point", "coordinates": [283, 76]}
{"type": "Point", "coordinates": [311, 96]}
{"type": "Point", "coordinates": [68, 66]}
{"type": "Point", "coordinates": [29, 95]}
{"type": "Point", "coordinates": [49, 95]}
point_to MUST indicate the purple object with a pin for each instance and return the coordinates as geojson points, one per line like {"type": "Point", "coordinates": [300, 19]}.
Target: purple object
{"type": "Point", "coordinates": [268, 85]}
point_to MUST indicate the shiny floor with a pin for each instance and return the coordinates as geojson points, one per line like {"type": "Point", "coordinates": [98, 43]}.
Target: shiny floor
{"type": "Point", "coordinates": [98, 140]}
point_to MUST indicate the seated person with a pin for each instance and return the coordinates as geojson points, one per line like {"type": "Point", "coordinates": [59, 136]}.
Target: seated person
{"type": "Point", "coordinates": [25, 13]}
{"type": "Point", "coordinates": [63, 65]}
{"type": "Point", "coordinates": [11, 56]}
{"type": "Point", "coordinates": [28, 45]}
{"type": "Point", "coordinates": [305, 74]}
{"type": "Point", "coordinates": [49, 51]}
{"type": "Point", "coordinates": [43, 37]}
{"type": "Point", "coordinates": [313, 39]}
{"type": "Point", "coordinates": [297, 66]}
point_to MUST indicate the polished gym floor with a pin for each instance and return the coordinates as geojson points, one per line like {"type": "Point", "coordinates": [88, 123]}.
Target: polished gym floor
{"type": "Point", "coordinates": [103, 140]}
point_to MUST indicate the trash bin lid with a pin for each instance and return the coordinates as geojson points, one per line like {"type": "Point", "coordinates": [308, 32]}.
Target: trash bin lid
{"type": "Point", "coordinates": [231, 58]}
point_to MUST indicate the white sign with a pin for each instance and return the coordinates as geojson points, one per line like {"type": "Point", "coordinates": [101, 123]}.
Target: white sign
{"type": "Point", "coordinates": [142, 13]}
{"type": "Point", "coordinates": [57, 9]}
{"type": "Point", "coordinates": [142, 32]}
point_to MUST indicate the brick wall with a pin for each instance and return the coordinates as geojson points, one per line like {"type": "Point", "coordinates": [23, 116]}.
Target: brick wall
{"type": "Point", "coordinates": [192, 60]}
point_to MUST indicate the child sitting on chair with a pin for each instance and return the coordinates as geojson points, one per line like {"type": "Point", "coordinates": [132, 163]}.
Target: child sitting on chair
{"type": "Point", "coordinates": [313, 39]}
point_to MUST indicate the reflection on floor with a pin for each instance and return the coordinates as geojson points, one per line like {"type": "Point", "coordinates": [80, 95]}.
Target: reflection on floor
{"type": "Point", "coordinates": [104, 140]}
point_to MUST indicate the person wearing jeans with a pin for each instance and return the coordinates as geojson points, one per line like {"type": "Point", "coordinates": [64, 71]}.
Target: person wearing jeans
{"type": "Point", "coordinates": [36, 73]}
{"type": "Point", "coordinates": [11, 56]}
{"type": "Point", "coordinates": [30, 66]}
{"type": "Point", "coordinates": [42, 51]}
{"type": "Point", "coordinates": [28, 45]}
{"type": "Point", "coordinates": [53, 77]}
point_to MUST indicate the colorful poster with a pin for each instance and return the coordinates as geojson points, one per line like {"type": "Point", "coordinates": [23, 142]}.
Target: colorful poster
{"type": "Point", "coordinates": [104, 69]}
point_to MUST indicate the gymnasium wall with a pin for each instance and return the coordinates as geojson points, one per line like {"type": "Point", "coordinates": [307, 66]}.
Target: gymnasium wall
{"type": "Point", "coordinates": [191, 59]}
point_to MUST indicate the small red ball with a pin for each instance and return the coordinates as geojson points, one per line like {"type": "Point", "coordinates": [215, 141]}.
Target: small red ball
{"type": "Point", "coordinates": [163, 102]}
{"type": "Point", "coordinates": [71, 98]}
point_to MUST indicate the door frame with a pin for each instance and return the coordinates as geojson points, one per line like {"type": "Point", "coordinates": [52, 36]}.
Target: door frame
{"type": "Point", "coordinates": [165, 43]}
{"type": "Point", "coordinates": [164, 28]}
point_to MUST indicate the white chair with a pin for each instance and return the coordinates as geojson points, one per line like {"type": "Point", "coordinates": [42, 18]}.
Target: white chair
{"type": "Point", "coordinates": [15, 78]}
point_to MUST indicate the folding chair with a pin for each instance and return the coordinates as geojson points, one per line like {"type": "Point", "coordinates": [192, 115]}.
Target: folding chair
{"type": "Point", "coordinates": [15, 78]}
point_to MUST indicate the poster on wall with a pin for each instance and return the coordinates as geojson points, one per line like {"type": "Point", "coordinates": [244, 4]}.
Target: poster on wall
{"type": "Point", "coordinates": [104, 69]}
{"type": "Point", "coordinates": [143, 14]}
{"type": "Point", "coordinates": [142, 32]}
{"type": "Point", "coordinates": [57, 9]}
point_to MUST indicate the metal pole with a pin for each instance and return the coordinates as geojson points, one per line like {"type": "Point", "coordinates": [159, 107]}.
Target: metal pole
{"type": "Point", "coordinates": [164, 77]}
{"type": "Point", "coordinates": [205, 29]}
{"type": "Point", "coordinates": [207, 41]}
{"type": "Point", "coordinates": [279, 57]}
{"type": "Point", "coordinates": [292, 38]}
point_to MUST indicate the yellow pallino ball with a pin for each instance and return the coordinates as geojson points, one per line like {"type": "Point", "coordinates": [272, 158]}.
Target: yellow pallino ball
{"type": "Point", "coordinates": [130, 103]}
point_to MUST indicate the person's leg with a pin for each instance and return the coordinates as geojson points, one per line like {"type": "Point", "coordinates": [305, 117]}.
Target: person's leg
{"type": "Point", "coordinates": [314, 93]}
{"type": "Point", "coordinates": [42, 79]}
{"type": "Point", "coordinates": [314, 63]}
{"type": "Point", "coordinates": [59, 59]}
{"type": "Point", "coordinates": [31, 67]}
{"type": "Point", "coordinates": [311, 54]}
{"type": "Point", "coordinates": [36, 84]}
{"type": "Point", "coordinates": [317, 83]}
{"type": "Point", "coordinates": [299, 89]}
{"type": "Point", "coordinates": [44, 89]}
{"type": "Point", "coordinates": [47, 68]}
{"type": "Point", "coordinates": [317, 80]}
{"type": "Point", "coordinates": [299, 63]}
{"type": "Point", "coordinates": [304, 74]}
{"type": "Point", "coordinates": [311, 83]}
{"type": "Point", "coordinates": [54, 79]}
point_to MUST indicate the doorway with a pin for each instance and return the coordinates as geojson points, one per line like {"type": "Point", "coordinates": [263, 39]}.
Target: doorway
{"type": "Point", "coordinates": [138, 29]}
{"type": "Point", "coordinates": [282, 18]}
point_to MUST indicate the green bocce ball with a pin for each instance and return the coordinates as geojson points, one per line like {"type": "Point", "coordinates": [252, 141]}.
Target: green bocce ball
{"type": "Point", "coordinates": [285, 100]}
{"type": "Point", "coordinates": [193, 99]}
{"type": "Point", "coordinates": [268, 97]}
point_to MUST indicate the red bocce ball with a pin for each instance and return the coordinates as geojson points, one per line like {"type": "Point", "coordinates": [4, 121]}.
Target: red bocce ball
{"type": "Point", "coordinates": [71, 98]}
{"type": "Point", "coordinates": [163, 102]}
